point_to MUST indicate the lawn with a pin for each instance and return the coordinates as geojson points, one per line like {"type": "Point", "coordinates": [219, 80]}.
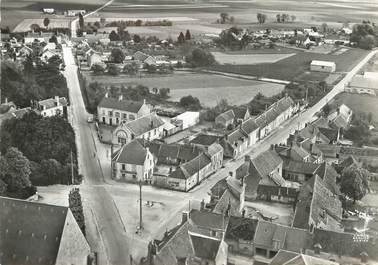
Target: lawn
{"type": "Point", "coordinates": [359, 103]}
{"type": "Point", "coordinates": [249, 59]}
{"type": "Point", "coordinates": [294, 66]}
{"type": "Point", "coordinates": [209, 88]}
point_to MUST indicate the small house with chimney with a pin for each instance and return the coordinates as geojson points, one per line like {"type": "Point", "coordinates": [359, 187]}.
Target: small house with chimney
{"type": "Point", "coordinates": [133, 162]}
{"type": "Point", "coordinates": [52, 106]}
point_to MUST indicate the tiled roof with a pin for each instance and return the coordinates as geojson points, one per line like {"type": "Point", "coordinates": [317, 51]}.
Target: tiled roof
{"type": "Point", "coordinates": [226, 116]}
{"type": "Point", "coordinates": [249, 126]}
{"type": "Point", "coordinates": [299, 167]}
{"type": "Point", "coordinates": [208, 220]}
{"type": "Point", "coordinates": [340, 122]}
{"type": "Point", "coordinates": [30, 232]}
{"type": "Point", "coordinates": [329, 176]}
{"type": "Point", "coordinates": [240, 112]}
{"type": "Point", "coordinates": [266, 162]}
{"type": "Point", "coordinates": [144, 124]}
{"type": "Point", "coordinates": [302, 259]}
{"type": "Point", "coordinates": [133, 153]}
{"type": "Point", "coordinates": [227, 202]}
{"type": "Point", "coordinates": [214, 149]}
{"type": "Point", "coordinates": [317, 202]}
{"type": "Point", "coordinates": [51, 102]}
{"type": "Point", "coordinates": [331, 134]}
{"type": "Point", "coordinates": [236, 136]}
{"type": "Point", "coordinates": [124, 105]}
{"type": "Point", "coordinates": [282, 257]}
{"type": "Point", "coordinates": [140, 56]}
{"type": "Point", "coordinates": [290, 238]}
{"type": "Point", "coordinates": [168, 152]}
{"type": "Point", "coordinates": [191, 167]}
{"type": "Point", "coordinates": [241, 228]}
{"type": "Point", "coordinates": [205, 139]}
{"type": "Point", "coordinates": [205, 247]}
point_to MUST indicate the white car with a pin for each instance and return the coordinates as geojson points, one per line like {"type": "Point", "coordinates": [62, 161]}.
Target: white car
{"type": "Point", "coordinates": [90, 119]}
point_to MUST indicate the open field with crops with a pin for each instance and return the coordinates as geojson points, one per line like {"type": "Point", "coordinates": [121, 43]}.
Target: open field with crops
{"type": "Point", "coordinates": [294, 66]}
{"type": "Point", "coordinates": [209, 88]}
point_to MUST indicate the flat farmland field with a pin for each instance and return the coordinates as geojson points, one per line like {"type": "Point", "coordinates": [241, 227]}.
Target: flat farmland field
{"type": "Point", "coordinates": [15, 11]}
{"type": "Point", "coordinates": [248, 59]}
{"type": "Point", "coordinates": [54, 23]}
{"type": "Point", "coordinates": [294, 66]}
{"type": "Point", "coordinates": [208, 88]}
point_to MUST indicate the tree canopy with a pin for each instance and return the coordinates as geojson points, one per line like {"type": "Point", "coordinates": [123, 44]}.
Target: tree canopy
{"type": "Point", "coordinates": [199, 57]}
{"type": "Point", "coordinates": [354, 182]}
{"type": "Point", "coordinates": [117, 55]}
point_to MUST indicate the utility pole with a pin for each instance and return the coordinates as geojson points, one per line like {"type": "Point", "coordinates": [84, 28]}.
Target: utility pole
{"type": "Point", "coordinates": [111, 162]}
{"type": "Point", "coordinates": [140, 205]}
{"type": "Point", "coordinates": [72, 170]}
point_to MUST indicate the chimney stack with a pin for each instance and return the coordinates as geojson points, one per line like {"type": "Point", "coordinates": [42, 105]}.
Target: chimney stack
{"type": "Point", "coordinates": [184, 217]}
{"type": "Point", "coordinates": [57, 100]}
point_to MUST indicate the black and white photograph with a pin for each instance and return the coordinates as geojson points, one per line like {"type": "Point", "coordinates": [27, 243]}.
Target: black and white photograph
{"type": "Point", "coordinates": [189, 132]}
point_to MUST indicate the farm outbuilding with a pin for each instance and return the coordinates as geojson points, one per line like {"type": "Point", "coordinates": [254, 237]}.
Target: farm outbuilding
{"type": "Point", "coordinates": [323, 66]}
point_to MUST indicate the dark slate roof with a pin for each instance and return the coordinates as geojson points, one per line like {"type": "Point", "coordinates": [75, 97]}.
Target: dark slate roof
{"type": "Point", "coordinates": [205, 139]}
{"type": "Point", "coordinates": [249, 126]}
{"type": "Point", "coordinates": [132, 153]}
{"type": "Point", "coordinates": [205, 247]}
{"type": "Point", "coordinates": [241, 228]}
{"type": "Point", "coordinates": [125, 105]}
{"type": "Point", "coordinates": [219, 188]}
{"type": "Point", "coordinates": [226, 116]}
{"type": "Point", "coordinates": [208, 220]}
{"type": "Point", "coordinates": [227, 202]}
{"type": "Point", "coordinates": [331, 134]}
{"type": "Point", "coordinates": [329, 176]}
{"type": "Point", "coordinates": [30, 233]}
{"type": "Point", "coordinates": [144, 124]}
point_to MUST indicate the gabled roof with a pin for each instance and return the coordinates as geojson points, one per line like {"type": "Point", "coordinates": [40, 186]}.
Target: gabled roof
{"type": "Point", "coordinates": [302, 259]}
{"type": "Point", "coordinates": [318, 203]}
{"type": "Point", "coordinates": [205, 247]}
{"type": "Point", "coordinates": [249, 126]}
{"type": "Point", "coordinates": [51, 102]}
{"type": "Point", "coordinates": [133, 153]}
{"type": "Point", "coordinates": [214, 149]}
{"type": "Point", "coordinates": [240, 112]}
{"type": "Point", "coordinates": [208, 220]}
{"type": "Point", "coordinates": [226, 116]}
{"type": "Point", "coordinates": [30, 232]}
{"type": "Point", "coordinates": [191, 167]}
{"type": "Point", "coordinates": [241, 228]}
{"type": "Point", "coordinates": [205, 139]}
{"type": "Point", "coordinates": [236, 136]}
{"type": "Point", "coordinates": [289, 238]}
{"type": "Point", "coordinates": [169, 152]}
{"type": "Point", "coordinates": [300, 167]}
{"type": "Point", "coordinates": [124, 105]}
{"type": "Point", "coordinates": [144, 124]}
{"type": "Point", "coordinates": [283, 256]}
{"type": "Point", "coordinates": [266, 163]}
{"type": "Point", "coordinates": [140, 56]}
{"type": "Point", "coordinates": [330, 134]}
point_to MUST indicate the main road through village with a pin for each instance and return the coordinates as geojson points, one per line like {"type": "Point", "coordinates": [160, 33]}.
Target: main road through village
{"type": "Point", "coordinates": [111, 229]}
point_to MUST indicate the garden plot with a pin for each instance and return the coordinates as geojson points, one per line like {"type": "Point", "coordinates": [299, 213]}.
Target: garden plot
{"type": "Point", "coordinates": [249, 59]}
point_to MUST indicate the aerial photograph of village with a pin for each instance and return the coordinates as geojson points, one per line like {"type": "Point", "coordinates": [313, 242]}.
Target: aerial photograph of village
{"type": "Point", "coordinates": [189, 132]}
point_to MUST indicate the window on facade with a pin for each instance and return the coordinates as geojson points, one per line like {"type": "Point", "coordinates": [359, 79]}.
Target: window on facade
{"type": "Point", "coordinates": [103, 112]}
{"type": "Point", "coordinates": [117, 120]}
{"type": "Point", "coordinates": [110, 113]}
{"type": "Point", "coordinates": [117, 114]}
{"type": "Point", "coordinates": [155, 132]}
{"type": "Point", "coordinates": [123, 175]}
{"type": "Point", "coordinates": [103, 119]}
{"type": "Point", "coordinates": [124, 116]}
{"type": "Point", "coordinates": [123, 167]}
{"type": "Point", "coordinates": [131, 117]}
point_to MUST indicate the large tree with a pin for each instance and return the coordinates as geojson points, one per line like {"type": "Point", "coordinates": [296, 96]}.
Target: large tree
{"type": "Point", "coordinates": [354, 182]}
{"type": "Point", "coordinates": [131, 68]}
{"type": "Point", "coordinates": [117, 55]}
{"type": "Point", "coordinates": [200, 57]}
{"type": "Point", "coordinates": [15, 170]}
{"type": "Point", "coordinates": [223, 17]}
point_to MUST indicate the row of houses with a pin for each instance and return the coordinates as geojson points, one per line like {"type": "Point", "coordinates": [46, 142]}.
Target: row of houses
{"type": "Point", "coordinates": [250, 130]}
{"type": "Point", "coordinates": [173, 166]}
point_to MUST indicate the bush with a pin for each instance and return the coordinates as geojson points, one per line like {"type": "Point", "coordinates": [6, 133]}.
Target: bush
{"type": "Point", "coordinates": [113, 70]}
{"type": "Point", "coordinates": [200, 58]}
{"type": "Point", "coordinates": [190, 102]}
